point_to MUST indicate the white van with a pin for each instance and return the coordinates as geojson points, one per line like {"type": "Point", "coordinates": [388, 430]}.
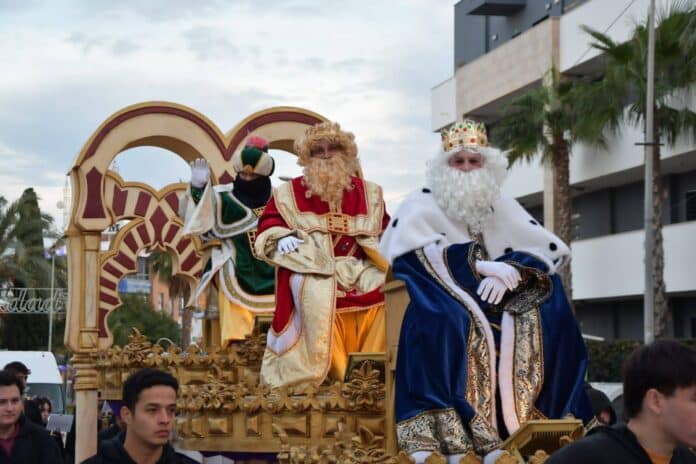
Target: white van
{"type": "Point", "coordinates": [44, 380]}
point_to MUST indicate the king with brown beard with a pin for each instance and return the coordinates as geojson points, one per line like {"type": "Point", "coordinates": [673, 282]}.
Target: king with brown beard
{"type": "Point", "coordinates": [321, 231]}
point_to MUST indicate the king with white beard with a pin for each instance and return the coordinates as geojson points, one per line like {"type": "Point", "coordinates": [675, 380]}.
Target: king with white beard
{"type": "Point", "coordinates": [489, 340]}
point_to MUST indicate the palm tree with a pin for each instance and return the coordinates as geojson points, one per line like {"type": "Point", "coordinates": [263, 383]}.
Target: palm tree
{"type": "Point", "coordinates": [24, 264]}
{"type": "Point", "coordinates": [161, 264]}
{"type": "Point", "coordinates": [620, 97]}
{"type": "Point", "coordinates": [137, 311]}
{"type": "Point", "coordinates": [8, 219]}
{"type": "Point", "coordinates": [544, 121]}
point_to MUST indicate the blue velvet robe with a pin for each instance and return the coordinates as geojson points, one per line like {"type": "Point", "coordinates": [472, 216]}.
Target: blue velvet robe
{"type": "Point", "coordinates": [451, 390]}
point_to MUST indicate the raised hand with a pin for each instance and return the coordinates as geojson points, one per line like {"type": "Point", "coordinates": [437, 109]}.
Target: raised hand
{"type": "Point", "coordinates": [200, 173]}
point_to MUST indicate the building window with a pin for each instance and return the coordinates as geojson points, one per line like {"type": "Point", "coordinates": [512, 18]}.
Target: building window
{"type": "Point", "coordinates": [691, 205]}
{"type": "Point", "coordinates": [171, 307]}
{"type": "Point", "coordinates": [142, 273]}
{"type": "Point", "coordinates": [160, 301]}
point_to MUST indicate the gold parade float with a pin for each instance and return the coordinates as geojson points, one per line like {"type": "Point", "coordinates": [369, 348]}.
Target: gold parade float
{"type": "Point", "coordinates": [222, 406]}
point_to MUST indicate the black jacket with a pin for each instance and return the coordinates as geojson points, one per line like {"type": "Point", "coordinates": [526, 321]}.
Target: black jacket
{"type": "Point", "coordinates": [32, 445]}
{"type": "Point", "coordinates": [611, 445]}
{"type": "Point", "coordinates": [112, 452]}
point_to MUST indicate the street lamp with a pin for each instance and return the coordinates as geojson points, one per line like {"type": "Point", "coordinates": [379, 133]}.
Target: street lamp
{"type": "Point", "coordinates": [52, 250]}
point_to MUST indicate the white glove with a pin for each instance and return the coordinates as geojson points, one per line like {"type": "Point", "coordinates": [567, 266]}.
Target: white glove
{"type": "Point", "coordinates": [491, 290]}
{"type": "Point", "coordinates": [508, 274]}
{"type": "Point", "coordinates": [200, 173]}
{"type": "Point", "coordinates": [288, 244]}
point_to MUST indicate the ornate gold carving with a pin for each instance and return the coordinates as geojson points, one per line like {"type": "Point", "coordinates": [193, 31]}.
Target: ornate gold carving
{"type": "Point", "coordinates": [253, 425]}
{"type": "Point", "coordinates": [403, 458]}
{"type": "Point", "coordinates": [471, 458]}
{"type": "Point", "coordinates": [436, 458]}
{"type": "Point", "coordinates": [374, 424]}
{"type": "Point", "coordinates": [182, 427]}
{"type": "Point", "coordinates": [539, 457]}
{"type": "Point", "coordinates": [329, 425]}
{"type": "Point", "coordinates": [507, 458]}
{"type": "Point", "coordinates": [219, 425]}
{"type": "Point", "coordinates": [198, 426]}
{"type": "Point", "coordinates": [364, 388]}
{"type": "Point", "coordinates": [295, 425]}
{"type": "Point", "coordinates": [361, 447]}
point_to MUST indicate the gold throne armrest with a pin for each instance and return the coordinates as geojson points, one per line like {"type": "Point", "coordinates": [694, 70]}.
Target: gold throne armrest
{"type": "Point", "coordinates": [543, 435]}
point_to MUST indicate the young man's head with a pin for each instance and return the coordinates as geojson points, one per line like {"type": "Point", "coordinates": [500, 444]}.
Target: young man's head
{"type": "Point", "coordinates": [11, 406]}
{"type": "Point", "coordinates": [660, 389]}
{"type": "Point", "coordinates": [149, 406]}
{"type": "Point", "coordinates": [466, 175]}
{"type": "Point", "coordinates": [329, 157]}
{"type": "Point", "coordinates": [19, 370]}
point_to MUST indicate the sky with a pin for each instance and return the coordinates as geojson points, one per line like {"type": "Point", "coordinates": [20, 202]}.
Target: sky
{"type": "Point", "coordinates": [68, 65]}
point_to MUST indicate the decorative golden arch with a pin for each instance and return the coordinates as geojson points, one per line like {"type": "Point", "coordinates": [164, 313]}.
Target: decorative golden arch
{"type": "Point", "coordinates": [101, 198]}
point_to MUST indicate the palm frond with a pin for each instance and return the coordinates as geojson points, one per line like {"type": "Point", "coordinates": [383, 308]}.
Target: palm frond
{"type": "Point", "coordinates": [675, 122]}
{"type": "Point", "coordinates": [520, 131]}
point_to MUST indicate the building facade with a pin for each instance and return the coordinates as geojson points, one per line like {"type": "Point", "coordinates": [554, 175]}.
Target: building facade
{"type": "Point", "coordinates": [504, 47]}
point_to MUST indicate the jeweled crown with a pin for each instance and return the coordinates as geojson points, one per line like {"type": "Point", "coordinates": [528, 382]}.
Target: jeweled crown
{"type": "Point", "coordinates": [462, 134]}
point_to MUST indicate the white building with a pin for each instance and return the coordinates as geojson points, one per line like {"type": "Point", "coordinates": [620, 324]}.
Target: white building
{"type": "Point", "coordinates": [503, 47]}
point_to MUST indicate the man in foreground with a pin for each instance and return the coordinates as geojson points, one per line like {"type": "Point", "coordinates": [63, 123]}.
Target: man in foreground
{"type": "Point", "coordinates": [660, 406]}
{"type": "Point", "coordinates": [21, 441]}
{"type": "Point", "coordinates": [149, 408]}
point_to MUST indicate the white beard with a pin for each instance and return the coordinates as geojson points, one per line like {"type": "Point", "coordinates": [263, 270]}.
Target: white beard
{"type": "Point", "coordinates": [466, 197]}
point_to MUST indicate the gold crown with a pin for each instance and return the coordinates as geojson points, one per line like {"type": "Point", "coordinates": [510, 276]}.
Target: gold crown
{"type": "Point", "coordinates": [466, 133]}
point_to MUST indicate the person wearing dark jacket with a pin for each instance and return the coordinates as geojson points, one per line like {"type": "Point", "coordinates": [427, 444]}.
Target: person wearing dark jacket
{"type": "Point", "coordinates": [149, 407]}
{"type": "Point", "coordinates": [113, 451]}
{"type": "Point", "coordinates": [601, 406]}
{"type": "Point", "coordinates": [45, 409]}
{"type": "Point", "coordinates": [21, 441]}
{"type": "Point", "coordinates": [660, 407]}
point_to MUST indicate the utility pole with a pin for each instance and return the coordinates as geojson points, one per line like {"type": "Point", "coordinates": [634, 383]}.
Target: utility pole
{"type": "Point", "coordinates": [649, 146]}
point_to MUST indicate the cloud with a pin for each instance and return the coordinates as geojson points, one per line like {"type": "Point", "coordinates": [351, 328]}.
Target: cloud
{"type": "Point", "coordinates": [13, 6]}
{"type": "Point", "coordinates": [369, 66]}
{"type": "Point", "coordinates": [122, 47]}
{"type": "Point", "coordinates": [19, 166]}
{"type": "Point", "coordinates": [152, 10]}
{"type": "Point", "coordinates": [207, 43]}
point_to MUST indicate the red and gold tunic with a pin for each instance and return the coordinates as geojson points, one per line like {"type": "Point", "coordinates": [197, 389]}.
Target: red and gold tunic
{"type": "Point", "coordinates": [328, 297]}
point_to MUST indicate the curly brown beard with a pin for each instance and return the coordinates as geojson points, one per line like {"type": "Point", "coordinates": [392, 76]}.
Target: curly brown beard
{"type": "Point", "coordinates": [329, 178]}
